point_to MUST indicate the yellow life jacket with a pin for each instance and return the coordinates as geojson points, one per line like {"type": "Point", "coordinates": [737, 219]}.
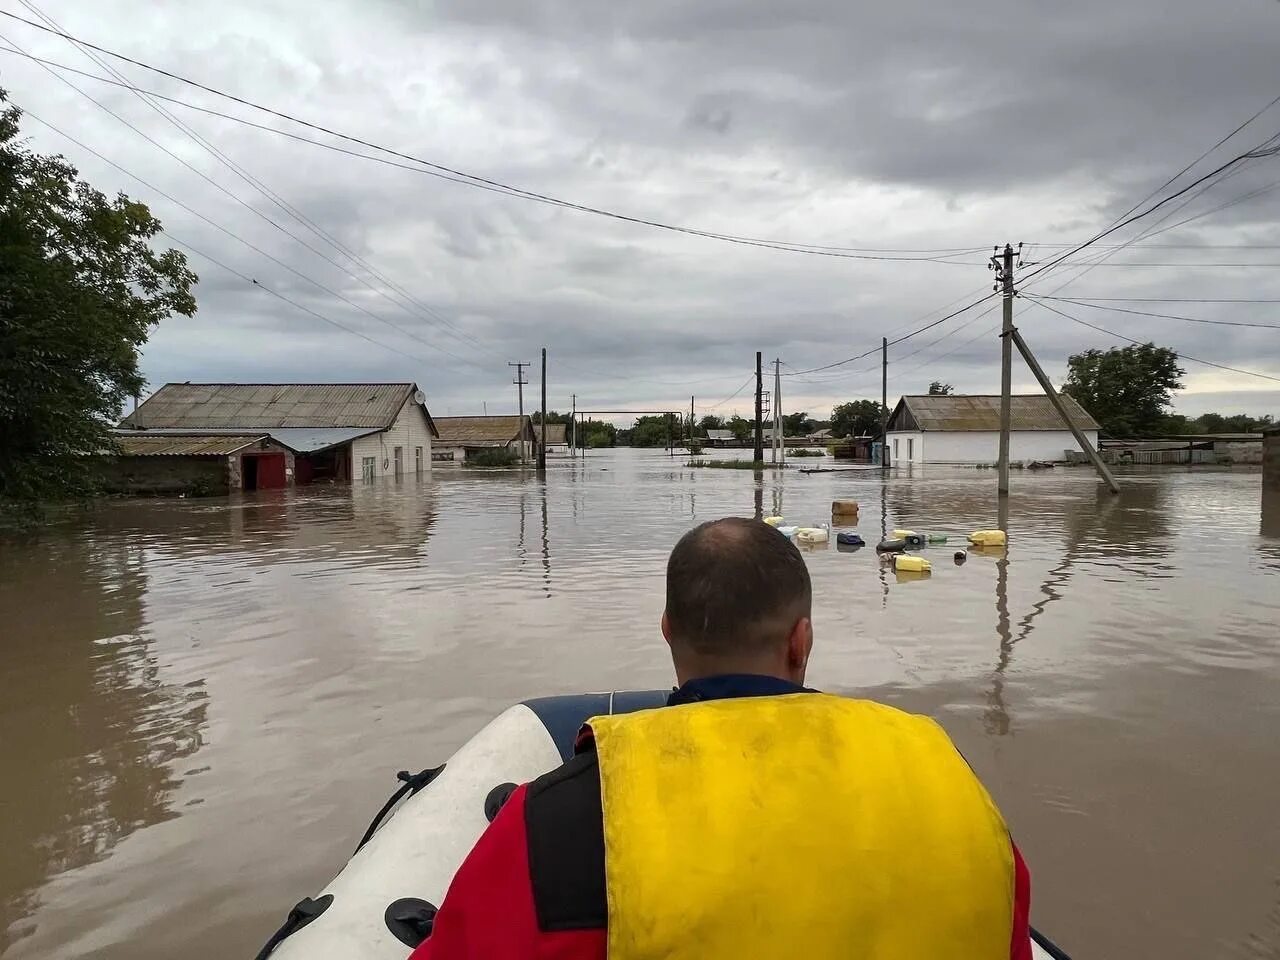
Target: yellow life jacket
{"type": "Point", "coordinates": [804, 826]}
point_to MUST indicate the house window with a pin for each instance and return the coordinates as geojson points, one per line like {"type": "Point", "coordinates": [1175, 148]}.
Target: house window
{"type": "Point", "coordinates": [442, 456]}
{"type": "Point", "coordinates": [911, 449]}
{"type": "Point", "coordinates": [417, 460]}
{"type": "Point", "coordinates": [399, 458]}
{"type": "Point", "coordinates": [368, 466]}
{"type": "Point", "coordinates": [895, 448]}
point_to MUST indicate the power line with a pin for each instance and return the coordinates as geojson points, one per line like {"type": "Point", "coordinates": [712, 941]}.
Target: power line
{"type": "Point", "coordinates": [475, 180]}
{"type": "Point", "coordinates": [251, 246]}
{"type": "Point", "coordinates": [1176, 300]}
{"type": "Point", "coordinates": [1138, 245]}
{"type": "Point", "coordinates": [253, 182]}
{"type": "Point", "coordinates": [907, 336]}
{"type": "Point", "coordinates": [1193, 266]}
{"type": "Point", "coordinates": [746, 383]}
{"type": "Point", "coordinates": [1162, 316]}
{"type": "Point", "coordinates": [1264, 149]}
{"type": "Point", "coordinates": [1120, 336]}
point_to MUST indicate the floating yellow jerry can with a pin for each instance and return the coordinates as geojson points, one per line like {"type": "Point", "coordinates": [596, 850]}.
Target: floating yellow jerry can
{"type": "Point", "coordinates": [773, 521]}
{"type": "Point", "coordinates": [988, 538]}
{"type": "Point", "coordinates": [903, 534]}
{"type": "Point", "coordinates": [813, 535]}
{"type": "Point", "coordinates": [906, 563]}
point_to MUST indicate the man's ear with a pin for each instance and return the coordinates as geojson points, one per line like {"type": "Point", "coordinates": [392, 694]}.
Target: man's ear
{"type": "Point", "coordinates": [800, 645]}
{"type": "Point", "coordinates": [666, 628]}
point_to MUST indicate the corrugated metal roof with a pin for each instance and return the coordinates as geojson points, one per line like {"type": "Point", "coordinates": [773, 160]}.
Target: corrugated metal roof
{"type": "Point", "coordinates": [457, 431]}
{"type": "Point", "coordinates": [719, 434]}
{"type": "Point", "coordinates": [981, 412]}
{"type": "Point", "coordinates": [556, 432]}
{"type": "Point", "coordinates": [198, 406]}
{"type": "Point", "coordinates": [297, 439]}
{"type": "Point", "coordinates": [311, 439]}
{"type": "Point", "coordinates": [136, 444]}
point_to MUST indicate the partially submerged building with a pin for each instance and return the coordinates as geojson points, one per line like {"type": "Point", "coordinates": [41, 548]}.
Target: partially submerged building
{"type": "Point", "coordinates": [269, 435]}
{"type": "Point", "coordinates": [966, 429]}
{"type": "Point", "coordinates": [462, 437]}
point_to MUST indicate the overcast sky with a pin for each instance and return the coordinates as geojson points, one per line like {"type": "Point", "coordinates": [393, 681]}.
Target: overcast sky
{"type": "Point", "coordinates": [907, 126]}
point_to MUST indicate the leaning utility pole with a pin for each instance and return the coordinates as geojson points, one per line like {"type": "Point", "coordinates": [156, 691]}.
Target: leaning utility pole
{"type": "Point", "coordinates": [1005, 275]}
{"type": "Point", "coordinates": [1052, 394]}
{"type": "Point", "coordinates": [884, 402]}
{"type": "Point", "coordinates": [542, 440]}
{"type": "Point", "coordinates": [520, 381]}
{"type": "Point", "coordinates": [759, 445]}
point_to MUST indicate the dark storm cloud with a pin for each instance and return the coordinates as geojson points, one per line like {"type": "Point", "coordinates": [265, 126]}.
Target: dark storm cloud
{"type": "Point", "coordinates": [889, 125]}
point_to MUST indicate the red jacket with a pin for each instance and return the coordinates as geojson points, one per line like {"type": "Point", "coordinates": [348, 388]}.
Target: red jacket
{"type": "Point", "coordinates": [533, 886]}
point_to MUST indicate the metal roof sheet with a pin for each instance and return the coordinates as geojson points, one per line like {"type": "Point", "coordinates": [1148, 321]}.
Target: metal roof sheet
{"type": "Point", "coordinates": [297, 439]}
{"type": "Point", "coordinates": [556, 432]}
{"type": "Point", "coordinates": [487, 430]}
{"type": "Point", "coordinates": [241, 406]}
{"type": "Point", "coordinates": [135, 444]}
{"type": "Point", "coordinates": [981, 412]}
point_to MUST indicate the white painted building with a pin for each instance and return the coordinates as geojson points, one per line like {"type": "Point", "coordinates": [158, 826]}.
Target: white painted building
{"type": "Point", "coordinates": [966, 429]}
{"type": "Point", "coordinates": [334, 431]}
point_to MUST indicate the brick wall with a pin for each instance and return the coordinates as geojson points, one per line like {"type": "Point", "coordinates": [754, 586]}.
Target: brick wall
{"type": "Point", "coordinates": [164, 476]}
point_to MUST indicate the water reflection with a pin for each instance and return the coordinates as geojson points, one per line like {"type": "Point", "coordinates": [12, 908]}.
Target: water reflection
{"type": "Point", "coordinates": [89, 728]}
{"type": "Point", "coordinates": [343, 633]}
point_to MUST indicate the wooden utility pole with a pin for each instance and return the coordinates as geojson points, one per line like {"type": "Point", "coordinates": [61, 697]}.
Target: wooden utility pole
{"type": "Point", "coordinates": [1052, 394]}
{"type": "Point", "coordinates": [1005, 269]}
{"type": "Point", "coordinates": [573, 427]}
{"type": "Point", "coordinates": [779, 427]}
{"type": "Point", "coordinates": [884, 403]}
{"type": "Point", "coordinates": [692, 429]}
{"type": "Point", "coordinates": [759, 445]}
{"type": "Point", "coordinates": [542, 444]}
{"type": "Point", "coordinates": [520, 381]}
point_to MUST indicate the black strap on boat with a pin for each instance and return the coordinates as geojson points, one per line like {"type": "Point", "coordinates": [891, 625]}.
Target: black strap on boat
{"type": "Point", "coordinates": [1048, 946]}
{"type": "Point", "coordinates": [410, 783]}
{"type": "Point", "coordinates": [303, 912]}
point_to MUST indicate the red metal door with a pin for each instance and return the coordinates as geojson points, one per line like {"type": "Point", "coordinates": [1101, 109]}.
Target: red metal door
{"type": "Point", "coordinates": [271, 475]}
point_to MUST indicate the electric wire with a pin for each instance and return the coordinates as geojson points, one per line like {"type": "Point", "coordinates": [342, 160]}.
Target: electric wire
{"type": "Point", "coordinates": [1120, 336]}
{"type": "Point", "coordinates": [262, 189]}
{"type": "Point", "coordinates": [1162, 316]}
{"type": "Point", "coordinates": [475, 180]}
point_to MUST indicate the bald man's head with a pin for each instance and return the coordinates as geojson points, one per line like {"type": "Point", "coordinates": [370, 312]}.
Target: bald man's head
{"type": "Point", "coordinates": [736, 589]}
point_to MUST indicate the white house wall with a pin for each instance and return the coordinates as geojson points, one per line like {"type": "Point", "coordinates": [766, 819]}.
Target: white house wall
{"type": "Point", "coordinates": [984, 446]}
{"type": "Point", "coordinates": [409, 430]}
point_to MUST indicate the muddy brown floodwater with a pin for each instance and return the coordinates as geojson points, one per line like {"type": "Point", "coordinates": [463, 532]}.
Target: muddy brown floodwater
{"type": "Point", "coordinates": [202, 703]}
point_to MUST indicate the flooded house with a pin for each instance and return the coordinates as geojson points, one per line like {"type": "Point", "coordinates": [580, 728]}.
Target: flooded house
{"type": "Point", "coordinates": [554, 435]}
{"type": "Point", "coordinates": [966, 429]}
{"type": "Point", "coordinates": [463, 437]}
{"type": "Point", "coordinates": [214, 437]}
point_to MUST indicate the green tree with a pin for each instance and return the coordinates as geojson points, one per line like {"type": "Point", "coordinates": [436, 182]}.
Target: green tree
{"type": "Point", "coordinates": [856, 418]}
{"type": "Point", "coordinates": [742, 428]}
{"type": "Point", "coordinates": [1128, 390]}
{"type": "Point", "coordinates": [710, 422]}
{"type": "Point", "coordinates": [653, 431]}
{"type": "Point", "coordinates": [80, 289]}
{"type": "Point", "coordinates": [1235, 423]}
{"type": "Point", "coordinates": [552, 417]}
{"type": "Point", "coordinates": [940, 389]}
{"type": "Point", "coordinates": [797, 424]}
